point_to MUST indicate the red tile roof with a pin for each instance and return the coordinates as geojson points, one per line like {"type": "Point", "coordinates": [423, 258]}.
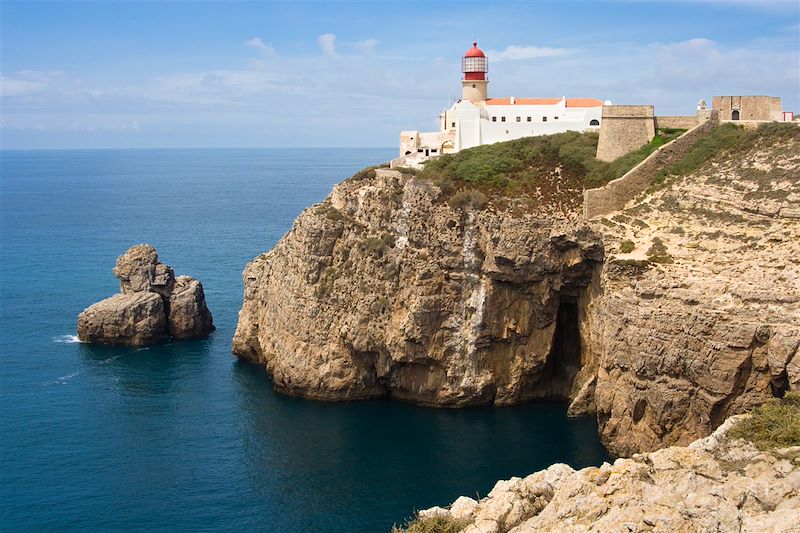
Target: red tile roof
{"type": "Point", "coordinates": [571, 102]}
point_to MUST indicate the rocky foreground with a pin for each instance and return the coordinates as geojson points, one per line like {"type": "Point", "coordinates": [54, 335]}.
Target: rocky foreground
{"type": "Point", "coordinates": [661, 320]}
{"type": "Point", "coordinates": [152, 305]}
{"type": "Point", "coordinates": [716, 484]}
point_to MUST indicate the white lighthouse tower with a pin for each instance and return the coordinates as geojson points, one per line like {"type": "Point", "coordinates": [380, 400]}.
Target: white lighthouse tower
{"type": "Point", "coordinates": [475, 67]}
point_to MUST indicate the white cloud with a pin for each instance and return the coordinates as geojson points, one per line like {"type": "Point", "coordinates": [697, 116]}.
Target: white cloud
{"type": "Point", "coordinates": [327, 43]}
{"type": "Point", "coordinates": [266, 49]}
{"type": "Point", "coordinates": [516, 52]}
{"type": "Point", "coordinates": [367, 46]}
{"type": "Point", "coordinates": [27, 82]}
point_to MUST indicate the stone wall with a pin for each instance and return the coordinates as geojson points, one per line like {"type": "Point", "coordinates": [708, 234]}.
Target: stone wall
{"type": "Point", "coordinates": [749, 107]}
{"type": "Point", "coordinates": [623, 129]}
{"type": "Point", "coordinates": [614, 195]}
{"type": "Point", "coordinates": [686, 122]}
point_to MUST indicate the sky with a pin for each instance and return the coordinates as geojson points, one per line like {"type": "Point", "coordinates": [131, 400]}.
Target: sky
{"type": "Point", "coordinates": [152, 74]}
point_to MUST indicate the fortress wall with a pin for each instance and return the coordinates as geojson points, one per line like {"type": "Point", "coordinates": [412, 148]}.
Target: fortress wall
{"type": "Point", "coordinates": [623, 129]}
{"type": "Point", "coordinates": [615, 194]}
{"type": "Point", "coordinates": [677, 122]}
{"type": "Point", "coordinates": [749, 107]}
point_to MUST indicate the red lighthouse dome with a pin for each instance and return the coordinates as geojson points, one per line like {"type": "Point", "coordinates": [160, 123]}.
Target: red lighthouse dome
{"type": "Point", "coordinates": [474, 64]}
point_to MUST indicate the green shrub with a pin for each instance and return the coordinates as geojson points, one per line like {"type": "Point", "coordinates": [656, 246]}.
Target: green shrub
{"type": "Point", "coordinates": [435, 524]}
{"type": "Point", "coordinates": [469, 197]}
{"type": "Point", "coordinates": [626, 247]}
{"type": "Point", "coordinates": [378, 246]}
{"type": "Point", "coordinates": [363, 174]}
{"type": "Point", "coordinates": [775, 424]}
{"type": "Point", "coordinates": [658, 252]}
{"type": "Point", "coordinates": [407, 170]}
{"type": "Point", "coordinates": [635, 263]}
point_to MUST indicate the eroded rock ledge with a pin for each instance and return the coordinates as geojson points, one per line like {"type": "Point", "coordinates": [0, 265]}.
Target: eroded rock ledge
{"type": "Point", "coordinates": [152, 305]}
{"type": "Point", "coordinates": [714, 484]}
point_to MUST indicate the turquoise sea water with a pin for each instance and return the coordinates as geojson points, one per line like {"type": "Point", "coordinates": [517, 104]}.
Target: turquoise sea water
{"type": "Point", "coordinates": [181, 436]}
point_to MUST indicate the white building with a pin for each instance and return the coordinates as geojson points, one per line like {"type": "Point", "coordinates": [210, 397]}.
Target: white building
{"type": "Point", "coordinates": [477, 119]}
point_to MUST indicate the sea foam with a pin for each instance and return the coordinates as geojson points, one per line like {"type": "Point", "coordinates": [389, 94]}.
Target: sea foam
{"type": "Point", "coordinates": [66, 339]}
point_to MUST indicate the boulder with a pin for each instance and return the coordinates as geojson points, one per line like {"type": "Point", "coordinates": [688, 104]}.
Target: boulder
{"type": "Point", "coordinates": [189, 318]}
{"type": "Point", "coordinates": [140, 270]}
{"type": "Point", "coordinates": [133, 319]}
{"type": "Point", "coordinates": [151, 306]}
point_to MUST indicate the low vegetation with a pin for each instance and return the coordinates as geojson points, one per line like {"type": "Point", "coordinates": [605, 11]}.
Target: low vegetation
{"type": "Point", "coordinates": [626, 246]}
{"type": "Point", "coordinates": [552, 168]}
{"type": "Point", "coordinates": [725, 139]}
{"type": "Point", "coordinates": [434, 524]}
{"type": "Point", "coordinates": [469, 197]}
{"type": "Point", "coordinates": [657, 253]}
{"type": "Point", "coordinates": [775, 424]}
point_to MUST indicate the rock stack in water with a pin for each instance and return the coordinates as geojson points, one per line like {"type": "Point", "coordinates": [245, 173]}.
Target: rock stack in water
{"type": "Point", "coordinates": [152, 304]}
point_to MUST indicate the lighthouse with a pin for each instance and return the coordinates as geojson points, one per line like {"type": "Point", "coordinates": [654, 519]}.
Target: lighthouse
{"type": "Point", "coordinates": [474, 83]}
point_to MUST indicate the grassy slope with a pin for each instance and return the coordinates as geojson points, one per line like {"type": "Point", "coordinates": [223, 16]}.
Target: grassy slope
{"type": "Point", "coordinates": [775, 424]}
{"type": "Point", "coordinates": [550, 168]}
{"type": "Point", "coordinates": [555, 169]}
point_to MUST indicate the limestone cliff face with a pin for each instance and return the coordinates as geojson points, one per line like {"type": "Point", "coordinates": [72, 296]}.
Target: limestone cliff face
{"type": "Point", "coordinates": [663, 319]}
{"type": "Point", "coordinates": [710, 326]}
{"type": "Point", "coordinates": [386, 289]}
{"type": "Point", "coordinates": [714, 484]}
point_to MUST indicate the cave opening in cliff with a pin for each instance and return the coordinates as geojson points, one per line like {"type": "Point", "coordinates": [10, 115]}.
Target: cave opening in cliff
{"type": "Point", "coordinates": [564, 361]}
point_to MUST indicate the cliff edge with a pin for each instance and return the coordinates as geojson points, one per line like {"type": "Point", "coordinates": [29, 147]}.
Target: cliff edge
{"type": "Point", "coordinates": [719, 483]}
{"type": "Point", "coordinates": [663, 319]}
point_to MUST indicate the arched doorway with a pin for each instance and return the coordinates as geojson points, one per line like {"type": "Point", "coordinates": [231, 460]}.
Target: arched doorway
{"type": "Point", "coordinates": [447, 147]}
{"type": "Point", "coordinates": [735, 114]}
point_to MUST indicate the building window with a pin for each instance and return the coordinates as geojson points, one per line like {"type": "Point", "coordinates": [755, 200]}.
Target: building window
{"type": "Point", "coordinates": [555, 118]}
{"type": "Point", "coordinates": [506, 132]}
{"type": "Point", "coordinates": [519, 119]}
{"type": "Point", "coordinates": [494, 119]}
{"type": "Point", "coordinates": [420, 150]}
{"type": "Point", "coordinates": [529, 119]}
{"type": "Point", "coordinates": [544, 119]}
{"type": "Point", "coordinates": [594, 122]}
{"type": "Point", "coordinates": [502, 119]}
{"type": "Point", "coordinates": [473, 85]}
{"type": "Point", "coordinates": [452, 124]}
{"type": "Point", "coordinates": [434, 150]}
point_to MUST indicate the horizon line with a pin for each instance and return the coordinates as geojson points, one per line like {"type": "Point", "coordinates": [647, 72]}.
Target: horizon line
{"type": "Point", "coordinates": [2, 149]}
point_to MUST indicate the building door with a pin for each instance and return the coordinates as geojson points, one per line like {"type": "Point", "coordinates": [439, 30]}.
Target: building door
{"type": "Point", "coordinates": [735, 114]}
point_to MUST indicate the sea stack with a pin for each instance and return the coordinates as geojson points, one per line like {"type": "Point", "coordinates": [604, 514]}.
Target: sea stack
{"type": "Point", "coordinates": [151, 306]}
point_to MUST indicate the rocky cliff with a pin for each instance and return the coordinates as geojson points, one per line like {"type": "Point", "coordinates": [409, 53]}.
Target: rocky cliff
{"type": "Point", "coordinates": [700, 315]}
{"type": "Point", "coordinates": [714, 484]}
{"type": "Point", "coordinates": [152, 305]}
{"type": "Point", "coordinates": [387, 289]}
{"type": "Point", "coordinates": [662, 319]}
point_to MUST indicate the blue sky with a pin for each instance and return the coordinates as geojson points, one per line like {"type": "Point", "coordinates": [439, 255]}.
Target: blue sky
{"type": "Point", "coordinates": [241, 74]}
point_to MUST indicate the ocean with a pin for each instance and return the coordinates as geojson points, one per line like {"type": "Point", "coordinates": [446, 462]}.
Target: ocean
{"type": "Point", "coordinates": [181, 436]}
